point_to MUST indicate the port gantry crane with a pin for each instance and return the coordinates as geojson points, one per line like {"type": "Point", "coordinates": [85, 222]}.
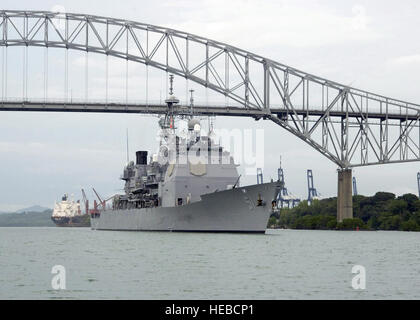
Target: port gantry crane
{"type": "Point", "coordinates": [284, 196]}
{"type": "Point", "coordinates": [312, 192]}
{"type": "Point", "coordinates": [354, 186]}
{"type": "Point", "coordinates": [418, 182]}
{"type": "Point", "coordinates": [260, 176]}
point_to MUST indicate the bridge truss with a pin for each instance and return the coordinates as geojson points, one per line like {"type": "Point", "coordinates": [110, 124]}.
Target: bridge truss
{"type": "Point", "coordinates": [351, 127]}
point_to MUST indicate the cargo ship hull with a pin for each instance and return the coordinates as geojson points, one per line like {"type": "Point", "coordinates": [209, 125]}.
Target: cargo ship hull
{"type": "Point", "coordinates": [72, 222]}
{"type": "Point", "coordinates": [245, 210]}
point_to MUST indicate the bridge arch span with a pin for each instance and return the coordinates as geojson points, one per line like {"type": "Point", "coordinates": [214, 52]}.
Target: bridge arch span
{"type": "Point", "coordinates": [335, 119]}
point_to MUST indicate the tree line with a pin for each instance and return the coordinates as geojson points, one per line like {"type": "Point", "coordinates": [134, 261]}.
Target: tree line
{"type": "Point", "coordinates": [383, 211]}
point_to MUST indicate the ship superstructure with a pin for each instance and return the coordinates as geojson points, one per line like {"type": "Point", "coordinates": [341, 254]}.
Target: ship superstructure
{"type": "Point", "coordinates": [183, 170]}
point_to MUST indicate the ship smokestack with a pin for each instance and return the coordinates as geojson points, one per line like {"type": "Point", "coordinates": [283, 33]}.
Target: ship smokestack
{"type": "Point", "coordinates": [141, 157]}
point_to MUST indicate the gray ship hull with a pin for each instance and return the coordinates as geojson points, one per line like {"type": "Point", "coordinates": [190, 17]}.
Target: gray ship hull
{"type": "Point", "coordinates": [235, 210]}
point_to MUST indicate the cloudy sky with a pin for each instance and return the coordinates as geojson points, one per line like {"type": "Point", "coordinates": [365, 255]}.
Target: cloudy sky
{"type": "Point", "coordinates": [372, 45]}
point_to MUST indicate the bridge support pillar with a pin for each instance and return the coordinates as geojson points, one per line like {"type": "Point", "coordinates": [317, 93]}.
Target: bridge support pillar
{"type": "Point", "coordinates": [344, 195]}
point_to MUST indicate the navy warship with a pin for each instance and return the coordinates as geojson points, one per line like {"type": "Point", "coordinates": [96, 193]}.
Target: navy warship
{"type": "Point", "coordinates": [190, 185]}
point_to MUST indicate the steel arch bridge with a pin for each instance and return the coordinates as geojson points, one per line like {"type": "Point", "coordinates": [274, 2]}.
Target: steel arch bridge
{"type": "Point", "coordinates": [349, 126]}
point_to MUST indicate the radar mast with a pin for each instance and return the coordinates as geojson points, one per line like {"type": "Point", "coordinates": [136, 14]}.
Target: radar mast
{"type": "Point", "coordinates": [167, 122]}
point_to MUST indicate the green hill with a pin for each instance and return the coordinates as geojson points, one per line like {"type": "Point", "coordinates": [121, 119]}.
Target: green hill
{"type": "Point", "coordinates": [28, 219]}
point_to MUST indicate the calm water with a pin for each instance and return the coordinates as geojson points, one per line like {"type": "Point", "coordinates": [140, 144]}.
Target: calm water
{"type": "Point", "coordinates": [283, 264]}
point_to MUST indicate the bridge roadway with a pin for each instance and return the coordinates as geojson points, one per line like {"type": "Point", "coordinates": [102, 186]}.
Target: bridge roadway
{"type": "Point", "coordinates": [234, 111]}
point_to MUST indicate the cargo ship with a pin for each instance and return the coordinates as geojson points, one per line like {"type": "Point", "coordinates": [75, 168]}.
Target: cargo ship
{"type": "Point", "coordinates": [67, 213]}
{"type": "Point", "coordinates": [190, 185]}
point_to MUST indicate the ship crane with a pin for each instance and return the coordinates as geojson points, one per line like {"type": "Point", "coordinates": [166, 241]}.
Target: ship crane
{"type": "Point", "coordinates": [100, 199]}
